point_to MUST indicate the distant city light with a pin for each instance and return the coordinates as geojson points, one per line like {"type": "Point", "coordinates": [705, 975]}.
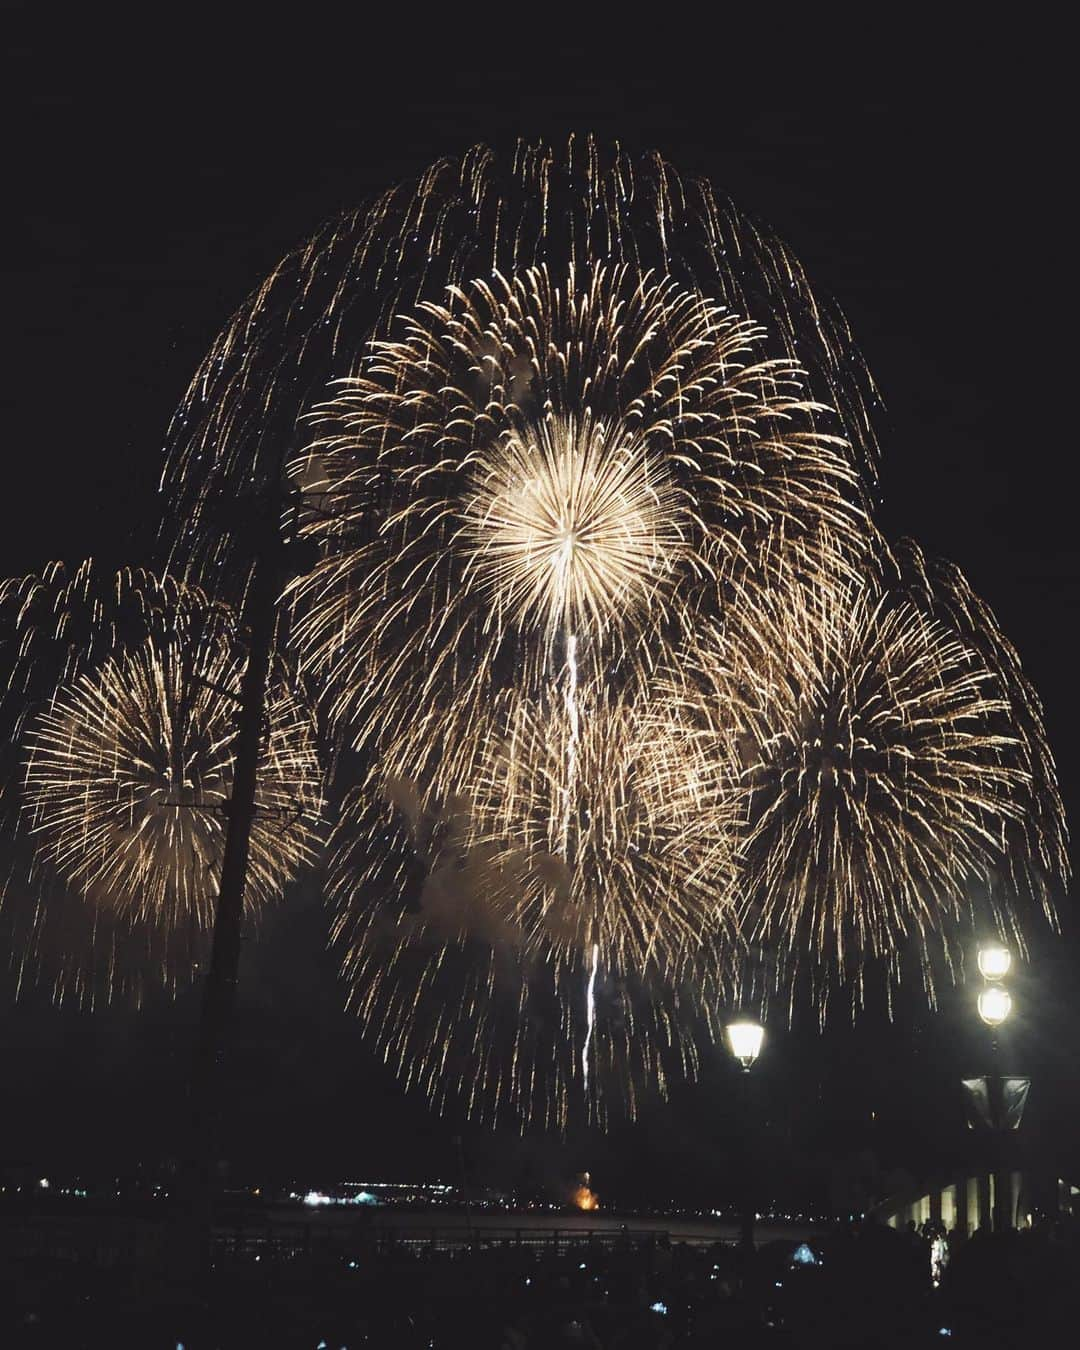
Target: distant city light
{"type": "Point", "coordinates": [658, 1308]}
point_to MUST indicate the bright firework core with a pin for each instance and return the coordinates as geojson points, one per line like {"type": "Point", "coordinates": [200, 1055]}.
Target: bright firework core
{"type": "Point", "coordinates": [574, 525]}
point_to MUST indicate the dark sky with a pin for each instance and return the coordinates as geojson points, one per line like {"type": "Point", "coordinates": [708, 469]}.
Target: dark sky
{"type": "Point", "coordinates": [156, 169]}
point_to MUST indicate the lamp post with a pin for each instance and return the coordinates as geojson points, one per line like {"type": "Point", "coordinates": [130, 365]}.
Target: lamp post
{"type": "Point", "coordinates": [994, 1004]}
{"type": "Point", "coordinates": [744, 1039]}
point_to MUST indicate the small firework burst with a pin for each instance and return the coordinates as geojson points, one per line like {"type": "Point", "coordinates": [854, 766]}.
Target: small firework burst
{"type": "Point", "coordinates": [129, 772]}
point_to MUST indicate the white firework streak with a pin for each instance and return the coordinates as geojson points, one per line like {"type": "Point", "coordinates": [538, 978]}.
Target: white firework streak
{"type": "Point", "coordinates": [590, 1013]}
{"type": "Point", "coordinates": [571, 777]}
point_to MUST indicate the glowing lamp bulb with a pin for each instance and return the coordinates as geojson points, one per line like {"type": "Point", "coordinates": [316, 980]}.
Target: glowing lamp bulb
{"type": "Point", "coordinates": [744, 1040]}
{"type": "Point", "coordinates": [994, 961]}
{"type": "Point", "coordinates": [995, 1005]}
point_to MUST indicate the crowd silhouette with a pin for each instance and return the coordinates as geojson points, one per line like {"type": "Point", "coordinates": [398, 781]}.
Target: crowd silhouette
{"type": "Point", "coordinates": [856, 1284]}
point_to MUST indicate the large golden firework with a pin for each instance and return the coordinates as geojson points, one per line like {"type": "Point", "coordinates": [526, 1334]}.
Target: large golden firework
{"type": "Point", "coordinates": [464, 220]}
{"type": "Point", "coordinates": [631, 676]}
{"type": "Point", "coordinates": [571, 528]}
{"type": "Point", "coordinates": [525, 501]}
{"type": "Point", "coordinates": [531, 463]}
{"type": "Point", "coordinates": [54, 626]}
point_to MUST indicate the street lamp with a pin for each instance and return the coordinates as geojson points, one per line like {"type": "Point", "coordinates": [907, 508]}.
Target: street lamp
{"type": "Point", "coordinates": [744, 1039]}
{"type": "Point", "coordinates": [994, 961]}
{"type": "Point", "coordinates": [995, 1004]}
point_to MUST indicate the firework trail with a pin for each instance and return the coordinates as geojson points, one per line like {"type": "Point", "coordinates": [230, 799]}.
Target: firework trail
{"type": "Point", "coordinates": [565, 564]}
{"type": "Point", "coordinates": [590, 1015]}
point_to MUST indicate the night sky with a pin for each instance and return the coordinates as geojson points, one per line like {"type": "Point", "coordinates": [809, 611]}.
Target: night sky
{"type": "Point", "coordinates": [156, 173]}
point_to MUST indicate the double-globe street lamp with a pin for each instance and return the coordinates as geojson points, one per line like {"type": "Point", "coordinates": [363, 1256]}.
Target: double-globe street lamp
{"type": "Point", "coordinates": [994, 1002]}
{"type": "Point", "coordinates": [1002, 1114]}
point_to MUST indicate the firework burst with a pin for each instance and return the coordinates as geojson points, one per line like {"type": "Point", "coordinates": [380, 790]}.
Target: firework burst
{"type": "Point", "coordinates": [524, 502]}
{"type": "Point", "coordinates": [631, 677]}
{"type": "Point", "coordinates": [119, 707]}
{"type": "Point", "coordinates": [477, 217]}
{"type": "Point", "coordinates": [630, 847]}
{"type": "Point", "coordinates": [1035, 863]}
{"type": "Point", "coordinates": [882, 777]}
{"type": "Point", "coordinates": [129, 771]}
{"type": "Point", "coordinates": [592, 949]}
{"type": "Point", "coordinates": [530, 464]}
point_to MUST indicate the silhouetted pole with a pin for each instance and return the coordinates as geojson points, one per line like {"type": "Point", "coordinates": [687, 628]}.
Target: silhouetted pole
{"type": "Point", "coordinates": [273, 561]}
{"type": "Point", "coordinates": [995, 1096]}
{"type": "Point", "coordinates": [219, 990]}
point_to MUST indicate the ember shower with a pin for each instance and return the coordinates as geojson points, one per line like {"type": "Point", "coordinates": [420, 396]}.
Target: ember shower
{"type": "Point", "coordinates": [625, 699]}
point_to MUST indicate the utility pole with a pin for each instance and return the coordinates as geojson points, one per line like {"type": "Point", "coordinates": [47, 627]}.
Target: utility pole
{"type": "Point", "coordinates": [273, 560]}
{"type": "Point", "coordinates": [219, 989]}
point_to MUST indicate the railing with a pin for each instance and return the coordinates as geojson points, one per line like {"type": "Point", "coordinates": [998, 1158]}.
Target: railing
{"type": "Point", "coordinates": [120, 1244]}
{"type": "Point", "coordinates": [311, 1241]}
